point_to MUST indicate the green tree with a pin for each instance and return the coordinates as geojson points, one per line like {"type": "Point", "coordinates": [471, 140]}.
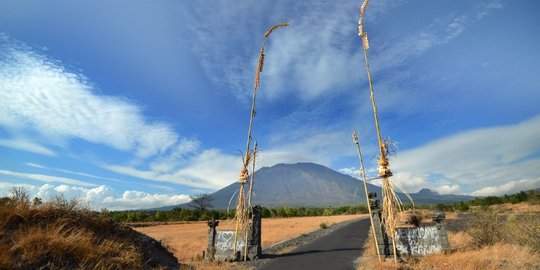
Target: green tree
{"type": "Point", "coordinates": [201, 202]}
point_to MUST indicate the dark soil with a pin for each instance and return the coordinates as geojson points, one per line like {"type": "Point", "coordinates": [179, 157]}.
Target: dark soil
{"type": "Point", "coordinates": [460, 224]}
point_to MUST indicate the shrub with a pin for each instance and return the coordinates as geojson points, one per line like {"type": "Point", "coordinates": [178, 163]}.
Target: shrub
{"type": "Point", "coordinates": [327, 212]}
{"type": "Point", "coordinates": [461, 206]}
{"type": "Point", "coordinates": [323, 225]}
{"type": "Point", "coordinates": [415, 220]}
{"type": "Point", "coordinates": [524, 230]}
{"type": "Point", "coordinates": [485, 228]}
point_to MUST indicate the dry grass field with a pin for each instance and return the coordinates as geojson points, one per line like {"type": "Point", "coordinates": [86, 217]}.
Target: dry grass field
{"type": "Point", "coordinates": [461, 256]}
{"type": "Point", "coordinates": [515, 245]}
{"type": "Point", "coordinates": [188, 240]}
{"type": "Point", "coordinates": [61, 234]}
{"type": "Point", "coordinates": [509, 208]}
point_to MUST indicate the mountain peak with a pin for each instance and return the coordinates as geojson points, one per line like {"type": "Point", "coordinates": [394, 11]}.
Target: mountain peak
{"type": "Point", "coordinates": [306, 184]}
{"type": "Point", "coordinates": [296, 164]}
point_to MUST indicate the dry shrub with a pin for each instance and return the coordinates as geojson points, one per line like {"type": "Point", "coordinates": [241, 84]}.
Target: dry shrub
{"type": "Point", "coordinates": [459, 241]}
{"type": "Point", "coordinates": [486, 228]}
{"type": "Point", "coordinates": [497, 256]}
{"type": "Point", "coordinates": [61, 234]}
{"type": "Point", "coordinates": [524, 229]}
{"type": "Point", "coordinates": [415, 217]}
{"type": "Point", "coordinates": [462, 256]}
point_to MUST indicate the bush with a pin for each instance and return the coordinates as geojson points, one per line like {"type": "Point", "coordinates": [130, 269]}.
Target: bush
{"type": "Point", "coordinates": [415, 220]}
{"type": "Point", "coordinates": [444, 207]}
{"type": "Point", "coordinates": [524, 230]}
{"type": "Point", "coordinates": [327, 212]}
{"type": "Point", "coordinates": [461, 206]}
{"type": "Point", "coordinates": [323, 225]}
{"type": "Point", "coordinates": [485, 228]}
{"type": "Point", "coordinates": [488, 228]}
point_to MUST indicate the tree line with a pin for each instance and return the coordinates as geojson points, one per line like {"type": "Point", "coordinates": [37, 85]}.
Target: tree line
{"type": "Point", "coordinates": [531, 196]}
{"type": "Point", "coordinates": [196, 214]}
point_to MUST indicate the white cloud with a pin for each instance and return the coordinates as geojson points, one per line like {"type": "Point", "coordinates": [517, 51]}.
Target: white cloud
{"type": "Point", "coordinates": [319, 53]}
{"type": "Point", "coordinates": [406, 180]}
{"type": "Point", "coordinates": [448, 189]}
{"type": "Point", "coordinates": [313, 64]}
{"type": "Point", "coordinates": [311, 57]}
{"type": "Point", "coordinates": [508, 188]}
{"type": "Point", "coordinates": [100, 196]}
{"type": "Point", "coordinates": [208, 169]}
{"type": "Point", "coordinates": [411, 182]}
{"type": "Point", "coordinates": [28, 146]}
{"type": "Point", "coordinates": [34, 165]}
{"type": "Point", "coordinates": [396, 50]}
{"type": "Point", "coordinates": [41, 96]}
{"type": "Point", "coordinates": [212, 169]}
{"type": "Point", "coordinates": [474, 159]}
{"type": "Point", "coordinates": [352, 171]}
{"type": "Point", "coordinates": [45, 178]}
{"type": "Point", "coordinates": [317, 146]}
{"type": "Point", "coordinates": [131, 199]}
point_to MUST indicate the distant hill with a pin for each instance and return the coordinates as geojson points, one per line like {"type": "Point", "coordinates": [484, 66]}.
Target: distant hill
{"type": "Point", "coordinates": [313, 185]}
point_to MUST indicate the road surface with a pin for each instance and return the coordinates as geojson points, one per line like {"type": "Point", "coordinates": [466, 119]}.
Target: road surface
{"type": "Point", "coordinates": [336, 250]}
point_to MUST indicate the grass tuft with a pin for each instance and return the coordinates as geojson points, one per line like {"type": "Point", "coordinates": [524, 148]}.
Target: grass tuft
{"type": "Point", "coordinates": [64, 234]}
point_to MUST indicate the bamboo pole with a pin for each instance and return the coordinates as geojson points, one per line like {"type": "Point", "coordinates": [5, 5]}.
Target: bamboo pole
{"type": "Point", "coordinates": [363, 172]}
{"type": "Point", "coordinates": [250, 208]}
{"type": "Point", "coordinates": [240, 215]}
{"type": "Point", "coordinates": [252, 175]}
{"type": "Point", "coordinates": [384, 170]}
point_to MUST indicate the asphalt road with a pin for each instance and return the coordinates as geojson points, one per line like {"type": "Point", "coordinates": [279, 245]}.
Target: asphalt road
{"type": "Point", "coordinates": [336, 250]}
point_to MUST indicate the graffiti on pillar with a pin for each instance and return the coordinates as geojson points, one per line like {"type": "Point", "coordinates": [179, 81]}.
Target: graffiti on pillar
{"type": "Point", "coordinates": [225, 241]}
{"type": "Point", "coordinates": [420, 241]}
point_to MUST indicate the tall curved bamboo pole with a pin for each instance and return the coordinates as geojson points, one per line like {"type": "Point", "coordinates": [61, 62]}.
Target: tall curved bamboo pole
{"type": "Point", "coordinates": [252, 179]}
{"type": "Point", "coordinates": [250, 208]}
{"type": "Point", "coordinates": [240, 215]}
{"type": "Point", "coordinates": [389, 203]}
{"type": "Point", "coordinates": [363, 172]}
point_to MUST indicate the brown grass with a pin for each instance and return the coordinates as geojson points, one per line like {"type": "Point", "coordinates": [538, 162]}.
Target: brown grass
{"type": "Point", "coordinates": [508, 208]}
{"type": "Point", "coordinates": [190, 239]}
{"type": "Point", "coordinates": [62, 235]}
{"type": "Point", "coordinates": [461, 256]}
{"type": "Point", "coordinates": [516, 247]}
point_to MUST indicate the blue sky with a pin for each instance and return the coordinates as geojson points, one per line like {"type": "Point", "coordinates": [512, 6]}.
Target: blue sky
{"type": "Point", "coordinates": [132, 104]}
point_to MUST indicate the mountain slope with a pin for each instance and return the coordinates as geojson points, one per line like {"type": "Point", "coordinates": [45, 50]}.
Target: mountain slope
{"type": "Point", "coordinates": [313, 185]}
{"type": "Point", "coordinates": [301, 184]}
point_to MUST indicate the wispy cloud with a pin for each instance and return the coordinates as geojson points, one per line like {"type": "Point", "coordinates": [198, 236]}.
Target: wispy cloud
{"type": "Point", "coordinates": [41, 96]}
{"type": "Point", "coordinates": [46, 178]}
{"type": "Point", "coordinates": [99, 197]}
{"type": "Point", "coordinates": [319, 53]}
{"type": "Point", "coordinates": [34, 165]}
{"type": "Point", "coordinates": [393, 51]}
{"type": "Point", "coordinates": [323, 147]}
{"type": "Point", "coordinates": [25, 145]}
{"type": "Point", "coordinates": [318, 62]}
{"type": "Point", "coordinates": [508, 187]}
{"type": "Point", "coordinates": [469, 160]}
{"type": "Point", "coordinates": [209, 169]}
{"type": "Point", "coordinates": [480, 162]}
